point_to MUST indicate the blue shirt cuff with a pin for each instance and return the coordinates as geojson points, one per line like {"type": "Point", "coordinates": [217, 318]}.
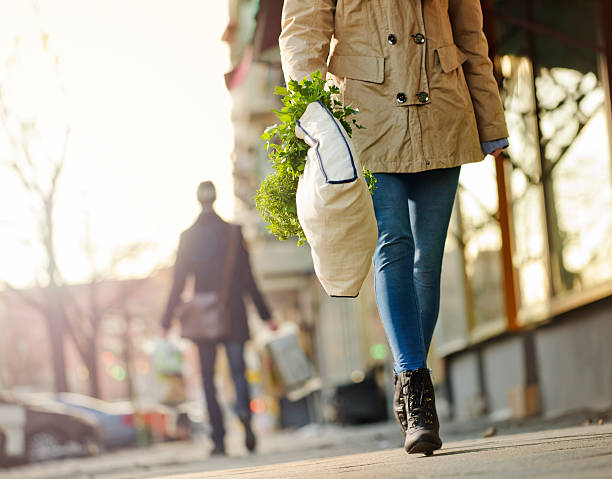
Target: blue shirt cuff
{"type": "Point", "coordinates": [491, 146]}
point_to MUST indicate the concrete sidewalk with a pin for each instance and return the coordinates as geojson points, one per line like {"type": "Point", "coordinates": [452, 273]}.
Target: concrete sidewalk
{"type": "Point", "coordinates": [583, 452]}
{"type": "Point", "coordinates": [546, 448]}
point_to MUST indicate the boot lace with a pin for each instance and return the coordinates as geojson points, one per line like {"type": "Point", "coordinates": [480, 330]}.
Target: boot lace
{"type": "Point", "coordinates": [419, 401]}
{"type": "Point", "coordinates": [399, 403]}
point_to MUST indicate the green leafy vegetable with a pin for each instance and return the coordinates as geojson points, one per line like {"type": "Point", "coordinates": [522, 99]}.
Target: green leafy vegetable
{"type": "Point", "coordinates": [275, 198]}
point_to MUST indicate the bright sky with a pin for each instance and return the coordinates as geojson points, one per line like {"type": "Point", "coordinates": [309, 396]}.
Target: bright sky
{"type": "Point", "coordinates": [149, 117]}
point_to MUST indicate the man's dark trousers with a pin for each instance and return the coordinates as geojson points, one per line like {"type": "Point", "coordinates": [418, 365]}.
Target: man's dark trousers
{"type": "Point", "coordinates": [235, 357]}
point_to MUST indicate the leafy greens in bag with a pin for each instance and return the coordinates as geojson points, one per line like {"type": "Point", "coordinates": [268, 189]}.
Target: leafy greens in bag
{"type": "Point", "coordinates": [275, 198]}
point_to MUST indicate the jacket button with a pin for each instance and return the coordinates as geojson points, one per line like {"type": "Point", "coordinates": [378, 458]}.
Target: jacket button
{"type": "Point", "coordinates": [401, 98]}
{"type": "Point", "coordinates": [392, 39]}
{"type": "Point", "coordinates": [418, 38]}
{"type": "Point", "coordinates": [422, 96]}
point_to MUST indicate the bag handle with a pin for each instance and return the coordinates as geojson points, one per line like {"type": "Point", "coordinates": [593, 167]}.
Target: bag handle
{"type": "Point", "coordinates": [230, 263]}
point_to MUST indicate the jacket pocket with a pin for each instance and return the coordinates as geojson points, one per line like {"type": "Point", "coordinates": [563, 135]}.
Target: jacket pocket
{"type": "Point", "coordinates": [370, 69]}
{"type": "Point", "coordinates": [449, 58]}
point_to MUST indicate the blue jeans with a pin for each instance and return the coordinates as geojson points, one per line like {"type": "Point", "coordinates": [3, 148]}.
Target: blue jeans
{"type": "Point", "coordinates": [412, 211]}
{"type": "Point", "coordinates": [235, 358]}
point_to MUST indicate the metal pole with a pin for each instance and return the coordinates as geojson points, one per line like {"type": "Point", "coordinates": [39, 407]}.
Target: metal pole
{"type": "Point", "coordinates": [605, 59]}
{"type": "Point", "coordinates": [504, 203]}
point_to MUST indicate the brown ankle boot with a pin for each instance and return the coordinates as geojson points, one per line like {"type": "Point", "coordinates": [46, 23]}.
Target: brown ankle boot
{"type": "Point", "coordinates": [414, 406]}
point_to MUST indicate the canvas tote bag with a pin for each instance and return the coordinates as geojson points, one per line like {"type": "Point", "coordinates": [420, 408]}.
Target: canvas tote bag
{"type": "Point", "coordinates": [205, 317]}
{"type": "Point", "coordinates": [334, 205]}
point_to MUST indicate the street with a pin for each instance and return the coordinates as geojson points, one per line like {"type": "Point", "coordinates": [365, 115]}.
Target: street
{"type": "Point", "coordinates": [360, 452]}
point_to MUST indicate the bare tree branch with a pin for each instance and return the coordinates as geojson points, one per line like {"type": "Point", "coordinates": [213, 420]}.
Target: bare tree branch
{"type": "Point", "coordinates": [28, 184]}
{"type": "Point", "coordinates": [40, 307]}
{"type": "Point", "coordinates": [78, 339]}
{"type": "Point", "coordinates": [61, 162]}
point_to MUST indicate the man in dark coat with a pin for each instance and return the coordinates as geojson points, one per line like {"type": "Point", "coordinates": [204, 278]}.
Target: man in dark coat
{"type": "Point", "coordinates": [202, 253]}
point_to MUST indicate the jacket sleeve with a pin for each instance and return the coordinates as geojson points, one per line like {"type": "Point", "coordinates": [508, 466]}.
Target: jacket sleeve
{"type": "Point", "coordinates": [249, 285]}
{"type": "Point", "coordinates": [307, 29]}
{"type": "Point", "coordinates": [181, 271]}
{"type": "Point", "coordinates": [467, 23]}
{"type": "Point", "coordinates": [490, 146]}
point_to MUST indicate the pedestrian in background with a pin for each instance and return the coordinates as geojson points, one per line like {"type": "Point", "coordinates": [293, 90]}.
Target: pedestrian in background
{"type": "Point", "coordinates": [202, 253]}
{"type": "Point", "coordinates": [419, 73]}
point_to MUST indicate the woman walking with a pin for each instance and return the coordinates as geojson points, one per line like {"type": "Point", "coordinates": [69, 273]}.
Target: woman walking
{"type": "Point", "coordinates": [419, 73]}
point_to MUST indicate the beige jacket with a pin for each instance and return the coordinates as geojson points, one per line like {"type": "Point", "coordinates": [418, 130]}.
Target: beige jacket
{"type": "Point", "coordinates": [417, 70]}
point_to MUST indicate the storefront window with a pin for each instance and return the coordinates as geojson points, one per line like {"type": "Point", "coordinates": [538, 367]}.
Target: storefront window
{"type": "Point", "coordinates": [557, 172]}
{"type": "Point", "coordinates": [530, 258]}
{"type": "Point", "coordinates": [559, 156]}
{"type": "Point", "coordinates": [478, 206]}
{"type": "Point", "coordinates": [451, 332]}
{"type": "Point", "coordinates": [472, 300]}
{"type": "Point", "coordinates": [575, 146]}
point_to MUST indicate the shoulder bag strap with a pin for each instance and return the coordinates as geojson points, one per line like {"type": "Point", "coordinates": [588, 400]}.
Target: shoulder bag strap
{"type": "Point", "coordinates": [230, 263]}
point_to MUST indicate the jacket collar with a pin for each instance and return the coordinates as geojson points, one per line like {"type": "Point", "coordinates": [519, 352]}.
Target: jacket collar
{"type": "Point", "coordinates": [206, 216]}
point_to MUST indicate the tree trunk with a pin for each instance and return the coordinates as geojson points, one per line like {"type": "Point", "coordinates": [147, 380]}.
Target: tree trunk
{"type": "Point", "coordinates": [56, 334]}
{"type": "Point", "coordinates": [55, 313]}
{"type": "Point", "coordinates": [562, 279]}
{"type": "Point", "coordinates": [94, 371]}
{"type": "Point", "coordinates": [128, 356]}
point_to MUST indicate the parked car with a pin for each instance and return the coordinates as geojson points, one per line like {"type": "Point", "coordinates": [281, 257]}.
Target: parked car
{"type": "Point", "coordinates": [116, 419]}
{"type": "Point", "coordinates": [160, 421]}
{"type": "Point", "coordinates": [45, 432]}
{"type": "Point", "coordinates": [120, 420]}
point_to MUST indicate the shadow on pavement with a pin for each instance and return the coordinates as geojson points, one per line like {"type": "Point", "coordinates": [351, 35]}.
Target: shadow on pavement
{"type": "Point", "coordinates": [550, 440]}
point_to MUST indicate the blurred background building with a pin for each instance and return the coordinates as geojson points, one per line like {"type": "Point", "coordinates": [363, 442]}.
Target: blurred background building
{"type": "Point", "coordinates": [344, 337]}
{"type": "Point", "coordinates": [526, 317]}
